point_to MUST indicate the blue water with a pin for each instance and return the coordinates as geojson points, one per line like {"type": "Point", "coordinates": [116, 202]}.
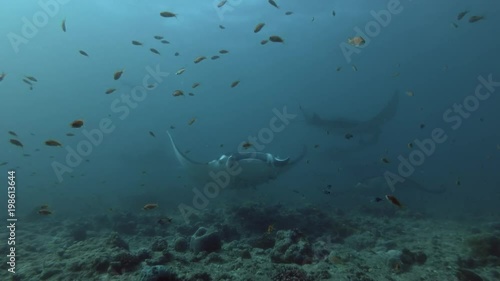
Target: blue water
{"type": "Point", "coordinates": [129, 168]}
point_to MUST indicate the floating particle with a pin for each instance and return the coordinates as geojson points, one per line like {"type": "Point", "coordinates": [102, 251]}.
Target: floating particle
{"type": "Point", "coordinates": [410, 93]}
{"type": "Point", "coordinates": [348, 136]}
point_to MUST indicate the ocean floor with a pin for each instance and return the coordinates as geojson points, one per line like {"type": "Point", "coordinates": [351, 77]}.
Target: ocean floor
{"type": "Point", "coordinates": [257, 242]}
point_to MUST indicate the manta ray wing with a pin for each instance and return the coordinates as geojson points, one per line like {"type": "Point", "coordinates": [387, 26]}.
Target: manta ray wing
{"type": "Point", "coordinates": [197, 170]}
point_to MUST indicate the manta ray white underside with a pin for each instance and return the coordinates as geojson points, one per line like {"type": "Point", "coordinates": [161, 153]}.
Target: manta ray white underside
{"type": "Point", "coordinates": [237, 170]}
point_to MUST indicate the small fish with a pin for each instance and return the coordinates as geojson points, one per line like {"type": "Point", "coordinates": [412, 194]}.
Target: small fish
{"type": "Point", "coordinates": [3, 163]}
{"type": "Point", "coordinates": [190, 122]}
{"type": "Point", "coordinates": [150, 206]}
{"type": "Point", "coordinates": [180, 71]}
{"type": "Point", "coordinates": [31, 78]}
{"type": "Point", "coordinates": [264, 42]}
{"type": "Point", "coordinates": [164, 220]}
{"type": "Point", "coordinates": [26, 155]}
{"type": "Point", "coordinates": [45, 212]}
{"type": "Point", "coordinates": [356, 41]}
{"type": "Point", "coordinates": [16, 142]}
{"type": "Point", "coordinates": [454, 25]}
{"type": "Point", "coordinates": [52, 143]}
{"type": "Point", "coordinates": [83, 53]}
{"type": "Point", "coordinates": [137, 43]}
{"type": "Point", "coordinates": [394, 200]}
{"type": "Point", "coordinates": [199, 59]}
{"type": "Point", "coordinates": [258, 27]}
{"type": "Point", "coordinates": [27, 81]}
{"type": "Point", "coordinates": [462, 14]}
{"type": "Point", "coordinates": [70, 134]}
{"type": "Point", "coordinates": [12, 133]}
{"type": "Point", "coordinates": [221, 3]}
{"type": "Point", "coordinates": [273, 3]}
{"type": "Point", "coordinates": [63, 25]}
{"type": "Point", "coordinates": [178, 93]}
{"type": "Point", "coordinates": [165, 41]}
{"type": "Point", "coordinates": [2, 76]}
{"type": "Point", "coordinates": [276, 39]}
{"type": "Point", "coordinates": [333, 13]}
{"type": "Point", "coordinates": [195, 84]}
{"type": "Point", "coordinates": [110, 90]}
{"type": "Point", "coordinates": [246, 145]}
{"type": "Point", "coordinates": [385, 160]}
{"type": "Point", "coordinates": [475, 18]}
{"type": "Point", "coordinates": [339, 68]}
{"type": "Point", "coordinates": [377, 199]}
{"type": "Point", "coordinates": [223, 51]}
{"type": "Point", "coordinates": [167, 14]}
{"type": "Point", "coordinates": [118, 74]}
{"type": "Point", "coordinates": [410, 145]}
{"type": "Point", "coordinates": [158, 37]}
{"type": "Point", "coordinates": [289, 13]}
{"type": "Point", "coordinates": [152, 134]}
{"type": "Point", "coordinates": [325, 191]}
{"type": "Point", "coordinates": [154, 51]}
{"type": "Point", "coordinates": [214, 57]}
{"type": "Point", "coordinates": [354, 68]}
{"type": "Point", "coordinates": [235, 83]}
{"type": "Point", "coordinates": [348, 136]}
{"type": "Point", "coordinates": [458, 182]}
{"type": "Point", "coordinates": [76, 124]}
{"type": "Point", "coordinates": [422, 126]}
{"type": "Point", "coordinates": [396, 74]}
{"type": "Point", "coordinates": [270, 228]}
{"type": "Point", "coordinates": [221, 26]}
{"type": "Point", "coordinates": [176, 54]}
{"type": "Point", "coordinates": [190, 94]}
{"type": "Point", "coordinates": [316, 146]}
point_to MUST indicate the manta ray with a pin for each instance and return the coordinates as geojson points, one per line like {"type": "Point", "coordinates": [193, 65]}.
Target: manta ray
{"type": "Point", "coordinates": [370, 128]}
{"type": "Point", "coordinates": [236, 170]}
